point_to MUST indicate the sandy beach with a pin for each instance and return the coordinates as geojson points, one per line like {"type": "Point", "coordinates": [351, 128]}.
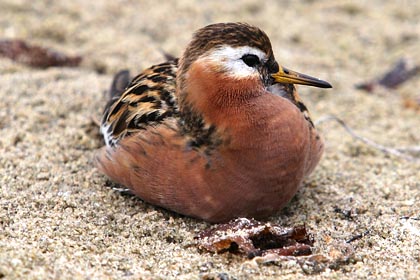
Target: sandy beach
{"type": "Point", "coordinates": [60, 218]}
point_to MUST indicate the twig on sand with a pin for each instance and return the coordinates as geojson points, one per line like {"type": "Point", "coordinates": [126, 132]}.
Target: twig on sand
{"type": "Point", "coordinates": [399, 152]}
{"type": "Point", "coordinates": [410, 218]}
{"type": "Point", "coordinates": [358, 236]}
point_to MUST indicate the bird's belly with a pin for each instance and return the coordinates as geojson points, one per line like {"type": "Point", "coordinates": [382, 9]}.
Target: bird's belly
{"type": "Point", "coordinates": [255, 175]}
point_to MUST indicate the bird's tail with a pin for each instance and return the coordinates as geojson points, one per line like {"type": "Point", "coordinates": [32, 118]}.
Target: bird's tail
{"type": "Point", "coordinates": [119, 84]}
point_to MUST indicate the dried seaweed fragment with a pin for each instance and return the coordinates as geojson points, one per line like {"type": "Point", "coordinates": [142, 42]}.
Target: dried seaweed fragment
{"type": "Point", "coordinates": [397, 75]}
{"type": "Point", "coordinates": [412, 103]}
{"type": "Point", "coordinates": [35, 56]}
{"type": "Point", "coordinates": [338, 256]}
{"type": "Point", "coordinates": [253, 238]}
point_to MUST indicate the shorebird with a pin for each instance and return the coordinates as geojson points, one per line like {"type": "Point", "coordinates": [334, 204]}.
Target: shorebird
{"type": "Point", "coordinates": [219, 133]}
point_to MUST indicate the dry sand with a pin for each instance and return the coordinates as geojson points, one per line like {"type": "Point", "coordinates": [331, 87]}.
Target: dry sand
{"type": "Point", "coordinates": [59, 218]}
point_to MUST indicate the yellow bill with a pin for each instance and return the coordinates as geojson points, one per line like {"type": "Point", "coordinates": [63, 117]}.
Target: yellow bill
{"type": "Point", "coordinates": [286, 76]}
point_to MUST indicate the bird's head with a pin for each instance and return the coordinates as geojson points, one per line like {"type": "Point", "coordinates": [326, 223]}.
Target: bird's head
{"type": "Point", "coordinates": [234, 59]}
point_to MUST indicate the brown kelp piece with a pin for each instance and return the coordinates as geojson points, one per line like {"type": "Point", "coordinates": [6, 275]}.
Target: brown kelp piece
{"type": "Point", "coordinates": [397, 75]}
{"type": "Point", "coordinates": [35, 56]}
{"type": "Point", "coordinates": [253, 238]}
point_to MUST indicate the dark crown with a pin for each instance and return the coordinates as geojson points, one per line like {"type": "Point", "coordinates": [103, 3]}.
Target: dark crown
{"type": "Point", "coordinates": [231, 34]}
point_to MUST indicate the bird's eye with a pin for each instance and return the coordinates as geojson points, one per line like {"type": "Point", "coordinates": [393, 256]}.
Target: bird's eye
{"type": "Point", "coordinates": [251, 60]}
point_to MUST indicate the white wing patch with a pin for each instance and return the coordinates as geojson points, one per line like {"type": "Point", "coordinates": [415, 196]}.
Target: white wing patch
{"type": "Point", "coordinates": [109, 140]}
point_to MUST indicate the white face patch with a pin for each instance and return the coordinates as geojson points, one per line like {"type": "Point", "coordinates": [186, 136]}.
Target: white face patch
{"type": "Point", "coordinates": [230, 59]}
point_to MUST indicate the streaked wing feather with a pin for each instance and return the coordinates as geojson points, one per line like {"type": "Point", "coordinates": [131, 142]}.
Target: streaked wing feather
{"type": "Point", "coordinates": [148, 100]}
